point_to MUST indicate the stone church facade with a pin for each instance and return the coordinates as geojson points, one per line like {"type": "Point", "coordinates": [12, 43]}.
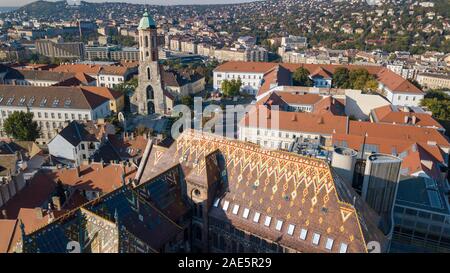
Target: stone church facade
{"type": "Point", "coordinates": [149, 96]}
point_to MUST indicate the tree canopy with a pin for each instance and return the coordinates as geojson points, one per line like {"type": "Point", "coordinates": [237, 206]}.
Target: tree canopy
{"type": "Point", "coordinates": [20, 126]}
{"type": "Point", "coordinates": [355, 79]}
{"type": "Point", "coordinates": [231, 88]}
{"type": "Point", "coordinates": [341, 78]}
{"type": "Point", "coordinates": [301, 77]}
{"type": "Point", "coordinates": [438, 103]}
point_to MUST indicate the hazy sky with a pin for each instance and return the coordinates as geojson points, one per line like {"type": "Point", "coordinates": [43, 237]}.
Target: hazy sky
{"type": "Point", "coordinates": [16, 3]}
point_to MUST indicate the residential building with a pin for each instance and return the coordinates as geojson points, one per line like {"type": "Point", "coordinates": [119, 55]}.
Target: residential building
{"type": "Point", "coordinates": [78, 141]}
{"type": "Point", "coordinates": [434, 81]}
{"type": "Point", "coordinates": [267, 76]}
{"type": "Point", "coordinates": [294, 42]}
{"type": "Point", "coordinates": [52, 106]}
{"type": "Point", "coordinates": [125, 54]}
{"type": "Point", "coordinates": [45, 78]}
{"type": "Point", "coordinates": [404, 115]}
{"type": "Point", "coordinates": [57, 48]}
{"type": "Point", "coordinates": [279, 129]}
{"type": "Point", "coordinates": [11, 176]}
{"type": "Point", "coordinates": [398, 90]}
{"type": "Point", "coordinates": [183, 84]}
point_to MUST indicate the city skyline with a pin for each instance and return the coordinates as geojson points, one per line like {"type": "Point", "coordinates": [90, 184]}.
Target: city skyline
{"type": "Point", "coordinates": [19, 3]}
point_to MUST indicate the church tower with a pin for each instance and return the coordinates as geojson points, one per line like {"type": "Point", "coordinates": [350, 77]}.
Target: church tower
{"type": "Point", "coordinates": [149, 95]}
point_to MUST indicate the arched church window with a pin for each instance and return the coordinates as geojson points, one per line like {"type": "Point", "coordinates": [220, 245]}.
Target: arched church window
{"type": "Point", "coordinates": [148, 73]}
{"type": "Point", "coordinates": [146, 41]}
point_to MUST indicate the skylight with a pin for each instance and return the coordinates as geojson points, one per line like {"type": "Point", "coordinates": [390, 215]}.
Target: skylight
{"type": "Point", "coordinates": [216, 202]}
{"type": "Point", "coordinates": [235, 209]}
{"type": "Point", "coordinates": [329, 243]}
{"type": "Point", "coordinates": [291, 229]}
{"type": "Point", "coordinates": [256, 217]}
{"type": "Point", "coordinates": [225, 205]}
{"type": "Point", "coordinates": [316, 239]}
{"type": "Point", "coordinates": [246, 212]}
{"type": "Point", "coordinates": [303, 234]}
{"type": "Point", "coordinates": [279, 225]}
{"type": "Point", "coordinates": [343, 248]}
{"type": "Point", "coordinates": [267, 221]}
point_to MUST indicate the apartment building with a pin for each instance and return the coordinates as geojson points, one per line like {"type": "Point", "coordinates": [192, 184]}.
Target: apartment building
{"type": "Point", "coordinates": [52, 106]}
{"type": "Point", "coordinates": [434, 81]}
{"type": "Point", "coordinates": [279, 129]}
{"type": "Point", "coordinates": [266, 76]}
{"type": "Point", "coordinates": [125, 54]}
{"type": "Point", "coordinates": [79, 141]}
{"type": "Point", "coordinates": [57, 48]}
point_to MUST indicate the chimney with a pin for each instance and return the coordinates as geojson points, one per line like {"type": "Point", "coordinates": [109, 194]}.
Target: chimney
{"type": "Point", "coordinates": [39, 213]}
{"type": "Point", "coordinates": [294, 117]}
{"type": "Point", "coordinates": [77, 170]}
{"type": "Point", "coordinates": [406, 119]}
{"type": "Point", "coordinates": [320, 121]}
{"type": "Point", "coordinates": [57, 202]}
{"type": "Point", "coordinates": [4, 214]}
{"type": "Point", "coordinates": [413, 119]}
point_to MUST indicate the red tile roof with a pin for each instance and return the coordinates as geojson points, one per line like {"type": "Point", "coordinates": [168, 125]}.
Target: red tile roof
{"type": "Point", "coordinates": [386, 114]}
{"type": "Point", "coordinates": [37, 192]}
{"type": "Point", "coordinates": [301, 99]}
{"type": "Point", "coordinates": [388, 78]}
{"type": "Point", "coordinates": [320, 71]}
{"type": "Point", "coordinates": [262, 117]}
{"type": "Point", "coordinates": [396, 83]}
{"type": "Point", "coordinates": [95, 177]}
{"type": "Point", "coordinates": [7, 228]}
{"type": "Point", "coordinates": [399, 132]}
{"type": "Point", "coordinates": [103, 92]}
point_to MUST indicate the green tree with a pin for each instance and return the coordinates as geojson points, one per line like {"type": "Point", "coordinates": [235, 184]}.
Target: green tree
{"type": "Point", "coordinates": [127, 88]}
{"type": "Point", "coordinates": [188, 101]}
{"type": "Point", "coordinates": [301, 77]}
{"type": "Point", "coordinates": [438, 103]}
{"type": "Point", "coordinates": [371, 84]}
{"type": "Point", "coordinates": [20, 125]}
{"type": "Point", "coordinates": [231, 88]}
{"type": "Point", "coordinates": [358, 78]}
{"type": "Point", "coordinates": [341, 77]}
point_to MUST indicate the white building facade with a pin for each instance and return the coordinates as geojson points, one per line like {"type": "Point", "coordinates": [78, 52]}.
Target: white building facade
{"type": "Point", "coordinates": [251, 81]}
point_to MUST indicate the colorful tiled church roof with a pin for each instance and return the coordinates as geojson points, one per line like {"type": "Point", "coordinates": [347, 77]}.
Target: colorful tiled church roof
{"type": "Point", "coordinates": [276, 195]}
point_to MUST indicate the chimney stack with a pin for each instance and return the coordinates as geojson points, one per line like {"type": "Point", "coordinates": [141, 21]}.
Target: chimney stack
{"type": "Point", "coordinates": [406, 119]}
{"type": "Point", "coordinates": [57, 202]}
{"type": "Point", "coordinates": [4, 214]}
{"type": "Point", "coordinates": [413, 119]}
{"type": "Point", "coordinates": [77, 170]}
{"type": "Point", "coordinates": [39, 213]}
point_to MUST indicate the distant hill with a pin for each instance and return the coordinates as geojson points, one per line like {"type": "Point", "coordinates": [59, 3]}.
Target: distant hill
{"type": "Point", "coordinates": [62, 10]}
